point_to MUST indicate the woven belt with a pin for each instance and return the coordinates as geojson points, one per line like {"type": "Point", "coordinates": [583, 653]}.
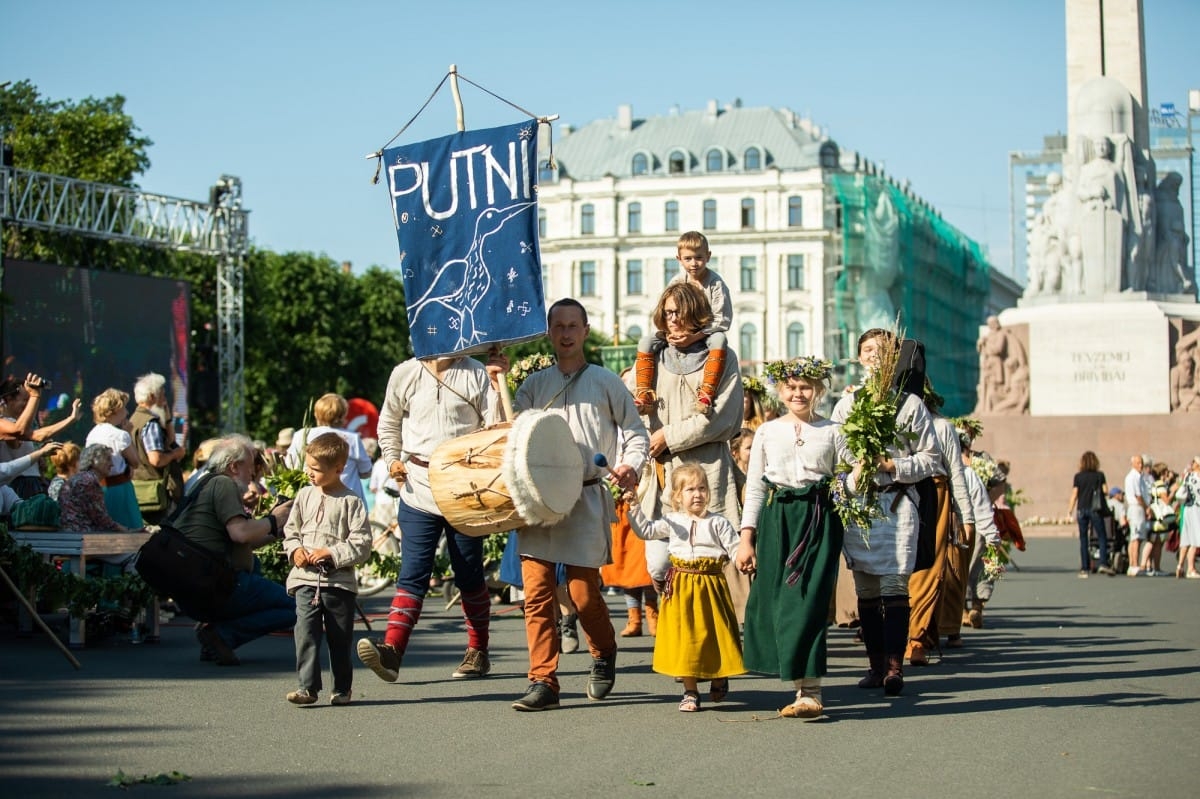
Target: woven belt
{"type": "Point", "coordinates": [424, 464]}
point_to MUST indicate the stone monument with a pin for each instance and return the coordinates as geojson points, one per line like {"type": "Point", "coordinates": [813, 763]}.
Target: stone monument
{"type": "Point", "coordinates": [1101, 352]}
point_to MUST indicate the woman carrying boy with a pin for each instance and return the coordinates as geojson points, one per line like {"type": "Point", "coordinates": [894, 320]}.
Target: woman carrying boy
{"type": "Point", "coordinates": [693, 254]}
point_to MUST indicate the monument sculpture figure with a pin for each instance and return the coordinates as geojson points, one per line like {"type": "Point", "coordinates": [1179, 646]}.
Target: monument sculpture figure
{"type": "Point", "coordinates": [1185, 383]}
{"type": "Point", "coordinates": [1003, 372]}
{"type": "Point", "coordinates": [1144, 243]}
{"type": "Point", "coordinates": [1102, 225]}
{"type": "Point", "coordinates": [1169, 274]}
{"type": "Point", "coordinates": [1053, 261]}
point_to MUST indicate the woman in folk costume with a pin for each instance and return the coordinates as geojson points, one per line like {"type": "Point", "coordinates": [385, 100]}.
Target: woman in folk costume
{"type": "Point", "coordinates": [952, 613]}
{"type": "Point", "coordinates": [883, 556]}
{"type": "Point", "coordinates": [628, 568]}
{"type": "Point", "coordinates": [790, 535]}
{"type": "Point", "coordinates": [680, 434]}
{"type": "Point", "coordinates": [1005, 514]}
{"type": "Point", "coordinates": [698, 639]}
{"type": "Point", "coordinates": [987, 494]}
{"type": "Point", "coordinates": [926, 587]}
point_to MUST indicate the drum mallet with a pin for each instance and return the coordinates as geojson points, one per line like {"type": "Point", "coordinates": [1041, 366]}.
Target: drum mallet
{"type": "Point", "coordinates": [602, 462]}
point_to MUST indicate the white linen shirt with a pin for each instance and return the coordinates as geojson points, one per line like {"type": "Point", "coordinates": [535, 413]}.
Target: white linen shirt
{"type": "Point", "coordinates": [419, 413]}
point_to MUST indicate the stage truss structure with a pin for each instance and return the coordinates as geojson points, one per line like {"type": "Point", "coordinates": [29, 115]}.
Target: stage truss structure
{"type": "Point", "coordinates": [218, 228]}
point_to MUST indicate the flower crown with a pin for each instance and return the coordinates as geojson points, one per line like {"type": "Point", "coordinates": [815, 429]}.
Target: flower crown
{"type": "Point", "coordinates": [968, 426]}
{"type": "Point", "coordinates": [753, 384]}
{"type": "Point", "coordinates": [523, 368]}
{"type": "Point", "coordinates": [809, 367]}
{"type": "Point", "coordinates": [988, 470]}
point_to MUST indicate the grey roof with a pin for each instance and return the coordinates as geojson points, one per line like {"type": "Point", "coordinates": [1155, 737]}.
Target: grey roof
{"type": "Point", "coordinates": [605, 146]}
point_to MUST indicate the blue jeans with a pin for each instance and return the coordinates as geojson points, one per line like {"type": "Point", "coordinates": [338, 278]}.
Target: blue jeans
{"type": "Point", "coordinates": [257, 606]}
{"type": "Point", "coordinates": [1091, 518]}
{"type": "Point", "coordinates": [419, 536]}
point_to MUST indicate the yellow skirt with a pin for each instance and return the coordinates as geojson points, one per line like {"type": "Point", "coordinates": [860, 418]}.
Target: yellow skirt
{"type": "Point", "coordinates": [697, 628]}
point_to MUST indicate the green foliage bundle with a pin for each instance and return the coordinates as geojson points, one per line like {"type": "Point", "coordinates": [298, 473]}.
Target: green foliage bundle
{"type": "Point", "coordinates": [870, 429]}
{"type": "Point", "coordinates": [284, 483]}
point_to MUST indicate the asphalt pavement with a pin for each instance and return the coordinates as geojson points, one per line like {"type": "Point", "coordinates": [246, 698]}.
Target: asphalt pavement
{"type": "Point", "coordinates": [1073, 688]}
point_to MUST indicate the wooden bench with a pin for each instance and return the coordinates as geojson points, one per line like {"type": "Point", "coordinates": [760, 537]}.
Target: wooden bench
{"type": "Point", "coordinates": [74, 548]}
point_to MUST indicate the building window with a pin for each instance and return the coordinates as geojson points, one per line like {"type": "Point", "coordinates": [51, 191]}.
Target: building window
{"type": "Point", "coordinates": [641, 164]}
{"type": "Point", "coordinates": [587, 278]}
{"type": "Point", "coordinates": [587, 219]}
{"type": "Point", "coordinates": [545, 172]}
{"type": "Point", "coordinates": [541, 223]}
{"type": "Point", "coordinates": [635, 217]}
{"type": "Point", "coordinates": [747, 214]}
{"type": "Point", "coordinates": [670, 270]}
{"type": "Point", "coordinates": [677, 162]}
{"type": "Point", "coordinates": [796, 344]}
{"type": "Point", "coordinates": [715, 160]}
{"type": "Point", "coordinates": [710, 214]}
{"type": "Point", "coordinates": [752, 159]}
{"type": "Point", "coordinates": [795, 211]}
{"type": "Point", "coordinates": [672, 215]}
{"type": "Point", "coordinates": [748, 342]}
{"type": "Point", "coordinates": [749, 273]}
{"type": "Point", "coordinates": [633, 276]}
{"type": "Point", "coordinates": [795, 272]}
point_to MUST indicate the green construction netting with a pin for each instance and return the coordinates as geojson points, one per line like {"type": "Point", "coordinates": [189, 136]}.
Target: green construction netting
{"type": "Point", "coordinates": [899, 256]}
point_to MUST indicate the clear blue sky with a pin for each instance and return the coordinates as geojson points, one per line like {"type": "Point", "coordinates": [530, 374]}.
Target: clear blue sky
{"type": "Point", "coordinates": [290, 96]}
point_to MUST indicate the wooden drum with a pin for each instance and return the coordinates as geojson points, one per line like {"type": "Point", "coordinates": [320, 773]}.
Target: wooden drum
{"type": "Point", "coordinates": [528, 472]}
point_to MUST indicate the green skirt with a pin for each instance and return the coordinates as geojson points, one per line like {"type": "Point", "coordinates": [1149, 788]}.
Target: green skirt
{"type": "Point", "coordinates": [798, 543]}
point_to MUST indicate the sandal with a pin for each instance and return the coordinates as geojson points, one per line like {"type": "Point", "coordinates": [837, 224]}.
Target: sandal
{"type": "Point", "coordinates": [807, 708]}
{"type": "Point", "coordinates": [690, 702]}
{"type": "Point", "coordinates": [719, 689]}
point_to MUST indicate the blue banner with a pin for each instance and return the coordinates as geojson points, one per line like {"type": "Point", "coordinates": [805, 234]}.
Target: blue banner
{"type": "Point", "coordinates": [466, 219]}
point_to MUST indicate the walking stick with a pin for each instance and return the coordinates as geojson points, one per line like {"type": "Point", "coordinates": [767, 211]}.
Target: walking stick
{"type": "Point", "coordinates": [37, 618]}
{"type": "Point", "coordinates": [362, 614]}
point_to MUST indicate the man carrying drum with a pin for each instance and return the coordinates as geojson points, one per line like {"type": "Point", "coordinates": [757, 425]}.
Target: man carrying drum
{"type": "Point", "coordinates": [600, 412]}
{"type": "Point", "coordinates": [429, 401]}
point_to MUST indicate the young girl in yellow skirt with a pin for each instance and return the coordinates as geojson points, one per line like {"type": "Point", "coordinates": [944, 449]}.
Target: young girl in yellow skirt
{"type": "Point", "coordinates": [697, 628]}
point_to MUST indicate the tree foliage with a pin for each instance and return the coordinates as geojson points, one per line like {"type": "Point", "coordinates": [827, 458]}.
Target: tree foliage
{"type": "Point", "coordinates": [92, 139]}
{"type": "Point", "coordinates": [312, 328]}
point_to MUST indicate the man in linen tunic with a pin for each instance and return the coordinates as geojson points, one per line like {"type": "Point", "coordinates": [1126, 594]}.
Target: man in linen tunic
{"type": "Point", "coordinates": [427, 402]}
{"type": "Point", "coordinates": [600, 412]}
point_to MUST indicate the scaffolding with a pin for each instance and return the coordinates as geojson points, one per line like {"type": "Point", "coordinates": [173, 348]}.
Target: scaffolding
{"type": "Point", "coordinates": [897, 253]}
{"type": "Point", "coordinates": [58, 204]}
